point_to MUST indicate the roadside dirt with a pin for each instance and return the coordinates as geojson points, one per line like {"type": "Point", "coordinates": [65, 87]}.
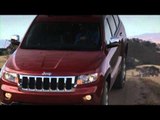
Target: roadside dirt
{"type": "Point", "coordinates": [137, 91]}
{"type": "Point", "coordinates": [2, 60]}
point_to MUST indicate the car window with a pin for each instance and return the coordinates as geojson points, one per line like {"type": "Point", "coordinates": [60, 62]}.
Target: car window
{"type": "Point", "coordinates": [107, 32]}
{"type": "Point", "coordinates": [112, 25]}
{"type": "Point", "coordinates": [116, 19]}
{"type": "Point", "coordinates": [63, 36]}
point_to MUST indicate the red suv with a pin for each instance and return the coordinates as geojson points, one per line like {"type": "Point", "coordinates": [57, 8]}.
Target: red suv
{"type": "Point", "coordinates": [66, 60]}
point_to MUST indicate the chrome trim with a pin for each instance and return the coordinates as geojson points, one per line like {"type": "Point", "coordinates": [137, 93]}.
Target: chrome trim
{"type": "Point", "coordinates": [73, 81]}
{"type": "Point", "coordinates": [28, 83]}
{"type": "Point", "coordinates": [49, 84]}
{"type": "Point", "coordinates": [57, 80]}
{"type": "Point", "coordinates": [65, 80]}
{"type": "Point", "coordinates": [42, 83]}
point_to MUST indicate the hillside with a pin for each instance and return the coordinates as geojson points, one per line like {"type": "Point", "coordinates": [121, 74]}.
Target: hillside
{"type": "Point", "coordinates": [154, 37]}
{"type": "Point", "coordinates": [142, 52]}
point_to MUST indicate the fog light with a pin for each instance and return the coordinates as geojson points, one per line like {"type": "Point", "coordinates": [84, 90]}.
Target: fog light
{"type": "Point", "coordinates": [87, 97]}
{"type": "Point", "coordinates": [8, 96]}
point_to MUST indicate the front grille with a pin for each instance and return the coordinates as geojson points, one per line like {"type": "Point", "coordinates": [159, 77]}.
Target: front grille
{"type": "Point", "coordinates": [47, 83]}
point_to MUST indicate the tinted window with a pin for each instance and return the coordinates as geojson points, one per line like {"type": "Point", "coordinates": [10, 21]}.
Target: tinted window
{"type": "Point", "coordinates": [107, 32]}
{"type": "Point", "coordinates": [112, 24]}
{"type": "Point", "coordinates": [116, 19]}
{"type": "Point", "coordinates": [63, 36]}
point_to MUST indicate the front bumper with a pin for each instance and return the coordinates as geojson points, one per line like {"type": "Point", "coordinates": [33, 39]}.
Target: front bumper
{"type": "Point", "coordinates": [54, 98]}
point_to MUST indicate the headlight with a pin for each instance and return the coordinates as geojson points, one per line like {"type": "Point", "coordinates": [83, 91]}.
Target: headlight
{"type": "Point", "coordinates": [10, 76]}
{"type": "Point", "coordinates": [83, 79]}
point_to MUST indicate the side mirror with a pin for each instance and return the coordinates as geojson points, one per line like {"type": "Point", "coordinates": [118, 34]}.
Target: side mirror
{"type": "Point", "coordinates": [114, 42]}
{"type": "Point", "coordinates": [15, 39]}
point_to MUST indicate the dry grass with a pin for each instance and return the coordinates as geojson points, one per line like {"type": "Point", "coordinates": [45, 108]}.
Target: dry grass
{"type": "Point", "coordinates": [2, 60]}
{"type": "Point", "coordinates": [140, 66]}
{"type": "Point", "coordinates": [131, 73]}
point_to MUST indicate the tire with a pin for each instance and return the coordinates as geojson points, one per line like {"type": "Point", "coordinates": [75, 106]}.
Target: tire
{"type": "Point", "coordinates": [121, 78]}
{"type": "Point", "coordinates": [105, 98]}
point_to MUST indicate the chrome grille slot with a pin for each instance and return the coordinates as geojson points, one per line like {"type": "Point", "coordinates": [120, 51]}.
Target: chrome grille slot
{"type": "Point", "coordinates": [53, 83]}
{"type": "Point", "coordinates": [61, 84]}
{"type": "Point", "coordinates": [31, 83]}
{"type": "Point", "coordinates": [25, 82]}
{"type": "Point", "coordinates": [68, 83]}
{"type": "Point", "coordinates": [47, 83]}
{"type": "Point", "coordinates": [39, 83]}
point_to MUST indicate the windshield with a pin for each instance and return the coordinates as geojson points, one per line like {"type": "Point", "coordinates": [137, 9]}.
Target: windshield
{"type": "Point", "coordinates": [63, 36]}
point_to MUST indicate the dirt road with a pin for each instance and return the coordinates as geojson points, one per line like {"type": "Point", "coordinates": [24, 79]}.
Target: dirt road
{"type": "Point", "coordinates": [137, 91]}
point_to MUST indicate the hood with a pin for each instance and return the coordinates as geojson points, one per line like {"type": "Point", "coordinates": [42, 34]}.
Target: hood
{"type": "Point", "coordinates": [56, 62]}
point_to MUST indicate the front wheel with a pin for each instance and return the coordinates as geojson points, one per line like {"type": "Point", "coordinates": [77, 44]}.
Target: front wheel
{"type": "Point", "coordinates": [105, 99]}
{"type": "Point", "coordinates": [120, 81]}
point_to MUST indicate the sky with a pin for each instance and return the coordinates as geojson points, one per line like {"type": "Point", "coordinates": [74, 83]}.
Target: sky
{"type": "Point", "coordinates": [14, 24]}
{"type": "Point", "coordinates": [134, 24]}
{"type": "Point", "coordinates": [141, 24]}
